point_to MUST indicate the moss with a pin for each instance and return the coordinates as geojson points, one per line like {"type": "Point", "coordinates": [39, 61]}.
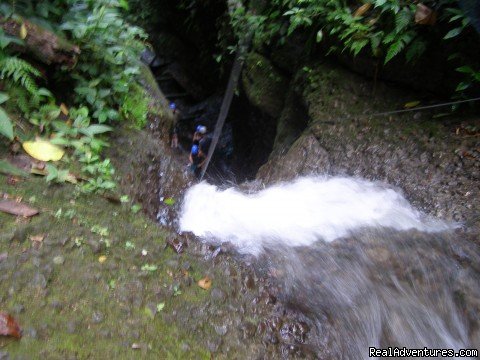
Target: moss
{"type": "Point", "coordinates": [264, 85]}
{"type": "Point", "coordinates": [81, 285]}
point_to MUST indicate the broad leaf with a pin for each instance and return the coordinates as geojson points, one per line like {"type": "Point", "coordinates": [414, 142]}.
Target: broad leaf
{"type": "Point", "coordinates": [3, 97]}
{"type": "Point", "coordinates": [43, 150]}
{"type": "Point", "coordinates": [6, 127]}
{"type": "Point", "coordinates": [93, 130]}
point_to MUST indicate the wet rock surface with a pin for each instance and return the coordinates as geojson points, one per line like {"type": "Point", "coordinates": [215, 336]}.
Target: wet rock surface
{"type": "Point", "coordinates": [435, 162]}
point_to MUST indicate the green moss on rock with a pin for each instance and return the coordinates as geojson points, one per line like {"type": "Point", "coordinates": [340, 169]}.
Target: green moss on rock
{"type": "Point", "coordinates": [264, 85]}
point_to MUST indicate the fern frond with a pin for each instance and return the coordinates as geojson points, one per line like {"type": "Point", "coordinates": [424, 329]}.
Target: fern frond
{"type": "Point", "coordinates": [23, 98]}
{"type": "Point", "coordinates": [20, 72]}
{"type": "Point", "coordinates": [402, 19]}
{"type": "Point", "coordinates": [415, 50]}
{"type": "Point", "coordinates": [394, 50]}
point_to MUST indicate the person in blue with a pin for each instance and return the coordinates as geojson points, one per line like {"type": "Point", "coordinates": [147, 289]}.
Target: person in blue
{"type": "Point", "coordinates": [200, 132]}
{"type": "Point", "coordinates": [195, 160]}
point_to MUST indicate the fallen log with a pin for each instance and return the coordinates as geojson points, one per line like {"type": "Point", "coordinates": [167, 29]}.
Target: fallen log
{"type": "Point", "coordinates": [43, 44]}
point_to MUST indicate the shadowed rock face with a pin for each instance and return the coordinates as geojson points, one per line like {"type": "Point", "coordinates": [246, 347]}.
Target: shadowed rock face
{"type": "Point", "coordinates": [305, 157]}
{"type": "Point", "coordinates": [435, 162]}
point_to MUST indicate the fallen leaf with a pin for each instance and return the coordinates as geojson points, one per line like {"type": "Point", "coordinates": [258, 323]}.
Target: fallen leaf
{"type": "Point", "coordinates": [362, 9]}
{"type": "Point", "coordinates": [411, 104]}
{"type": "Point", "coordinates": [37, 238]}
{"type": "Point", "coordinates": [9, 327]}
{"type": "Point", "coordinates": [43, 150]}
{"type": "Point", "coordinates": [13, 180]}
{"type": "Point", "coordinates": [112, 198]}
{"type": "Point", "coordinates": [16, 208]}
{"type": "Point", "coordinates": [23, 31]}
{"type": "Point", "coordinates": [9, 169]}
{"type": "Point", "coordinates": [424, 15]}
{"type": "Point", "coordinates": [64, 109]}
{"type": "Point", "coordinates": [37, 171]}
{"type": "Point", "coordinates": [205, 283]}
{"type": "Point", "coordinates": [169, 201]}
{"type": "Point", "coordinates": [102, 259]}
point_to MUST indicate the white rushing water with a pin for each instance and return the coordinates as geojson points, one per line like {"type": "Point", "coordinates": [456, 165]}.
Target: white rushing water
{"type": "Point", "coordinates": [297, 213]}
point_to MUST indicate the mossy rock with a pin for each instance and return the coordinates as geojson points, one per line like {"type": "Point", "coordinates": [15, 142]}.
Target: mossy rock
{"type": "Point", "coordinates": [264, 86]}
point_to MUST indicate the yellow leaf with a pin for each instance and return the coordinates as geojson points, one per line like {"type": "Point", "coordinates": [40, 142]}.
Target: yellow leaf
{"type": "Point", "coordinates": [205, 283]}
{"type": "Point", "coordinates": [102, 259]}
{"type": "Point", "coordinates": [64, 109]}
{"type": "Point", "coordinates": [37, 238]}
{"type": "Point", "coordinates": [23, 32]}
{"type": "Point", "coordinates": [362, 9]}
{"type": "Point", "coordinates": [411, 104]}
{"type": "Point", "coordinates": [43, 150]}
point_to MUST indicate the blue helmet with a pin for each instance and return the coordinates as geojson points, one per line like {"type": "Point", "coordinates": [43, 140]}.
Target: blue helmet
{"type": "Point", "coordinates": [173, 106]}
{"type": "Point", "coordinates": [201, 129]}
{"type": "Point", "coordinates": [195, 150]}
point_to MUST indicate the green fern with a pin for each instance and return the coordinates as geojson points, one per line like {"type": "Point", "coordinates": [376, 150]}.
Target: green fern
{"type": "Point", "coordinates": [22, 97]}
{"type": "Point", "coordinates": [403, 19]}
{"type": "Point", "coordinates": [415, 50]}
{"type": "Point", "coordinates": [20, 72]}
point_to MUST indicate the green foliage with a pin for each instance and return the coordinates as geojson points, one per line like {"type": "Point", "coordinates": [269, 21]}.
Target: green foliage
{"type": "Point", "coordinates": [56, 175]}
{"type": "Point", "coordinates": [20, 72]}
{"type": "Point", "coordinates": [6, 127]}
{"type": "Point", "coordinates": [110, 54]}
{"type": "Point", "coordinates": [135, 106]}
{"type": "Point", "coordinates": [385, 29]}
{"type": "Point", "coordinates": [471, 77]}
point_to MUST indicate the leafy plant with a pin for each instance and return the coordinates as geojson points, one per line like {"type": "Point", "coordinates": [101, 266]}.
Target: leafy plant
{"type": "Point", "coordinates": [56, 175]}
{"type": "Point", "coordinates": [149, 267]}
{"type": "Point", "coordinates": [110, 52]}
{"type": "Point", "coordinates": [6, 127]}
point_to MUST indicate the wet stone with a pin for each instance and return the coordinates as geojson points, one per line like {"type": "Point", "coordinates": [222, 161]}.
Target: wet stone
{"type": "Point", "coordinates": [31, 333]}
{"type": "Point", "coordinates": [18, 309]}
{"type": "Point", "coordinates": [214, 345]}
{"type": "Point", "coordinates": [55, 304]}
{"type": "Point", "coordinates": [95, 246]}
{"type": "Point", "coordinates": [59, 260]}
{"type": "Point", "coordinates": [97, 317]}
{"type": "Point", "coordinates": [4, 355]}
{"type": "Point", "coordinates": [249, 330]}
{"type": "Point", "coordinates": [221, 329]}
{"type": "Point", "coordinates": [71, 327]}
{"type": "Point", "coordinates": [218, 295]}
{"type": "Point", "coordinates": [172, 264]}
{"type": "Point", "coordinates": [105, 333]}
{"type": "Point", "coordinates": [39, 281]}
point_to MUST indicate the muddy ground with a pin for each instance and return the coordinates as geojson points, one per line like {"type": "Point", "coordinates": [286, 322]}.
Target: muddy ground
{"type": "Point", "coordinates": [143, 300]}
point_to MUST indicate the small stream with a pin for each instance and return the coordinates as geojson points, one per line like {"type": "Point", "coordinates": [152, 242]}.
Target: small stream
{"type": "Point", "coordinates": [355, 257]}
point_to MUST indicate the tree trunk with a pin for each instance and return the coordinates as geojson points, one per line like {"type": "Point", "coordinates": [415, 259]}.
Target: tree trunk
{"type": "Point", "coordinates": [43, 44]}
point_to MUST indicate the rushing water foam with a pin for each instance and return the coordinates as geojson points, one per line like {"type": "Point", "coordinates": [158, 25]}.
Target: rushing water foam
{"type": "Point", "coordinates": [297, 213]}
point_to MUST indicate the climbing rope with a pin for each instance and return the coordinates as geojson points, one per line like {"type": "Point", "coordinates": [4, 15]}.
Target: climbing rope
{"type": "Point", "coordinates": [385, 113]}
{"type": "Point", "coordinates": [227, 100]}
{"type": "Point", "coordinates": [232, 85]}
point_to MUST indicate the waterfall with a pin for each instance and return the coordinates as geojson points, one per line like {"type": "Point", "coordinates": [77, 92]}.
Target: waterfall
{"type": "Point", "coordinates": [365, 266]}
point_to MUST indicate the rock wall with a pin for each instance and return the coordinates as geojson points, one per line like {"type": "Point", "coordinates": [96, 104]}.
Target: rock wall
{"type": "Point", "coordinates": [434, 161]}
